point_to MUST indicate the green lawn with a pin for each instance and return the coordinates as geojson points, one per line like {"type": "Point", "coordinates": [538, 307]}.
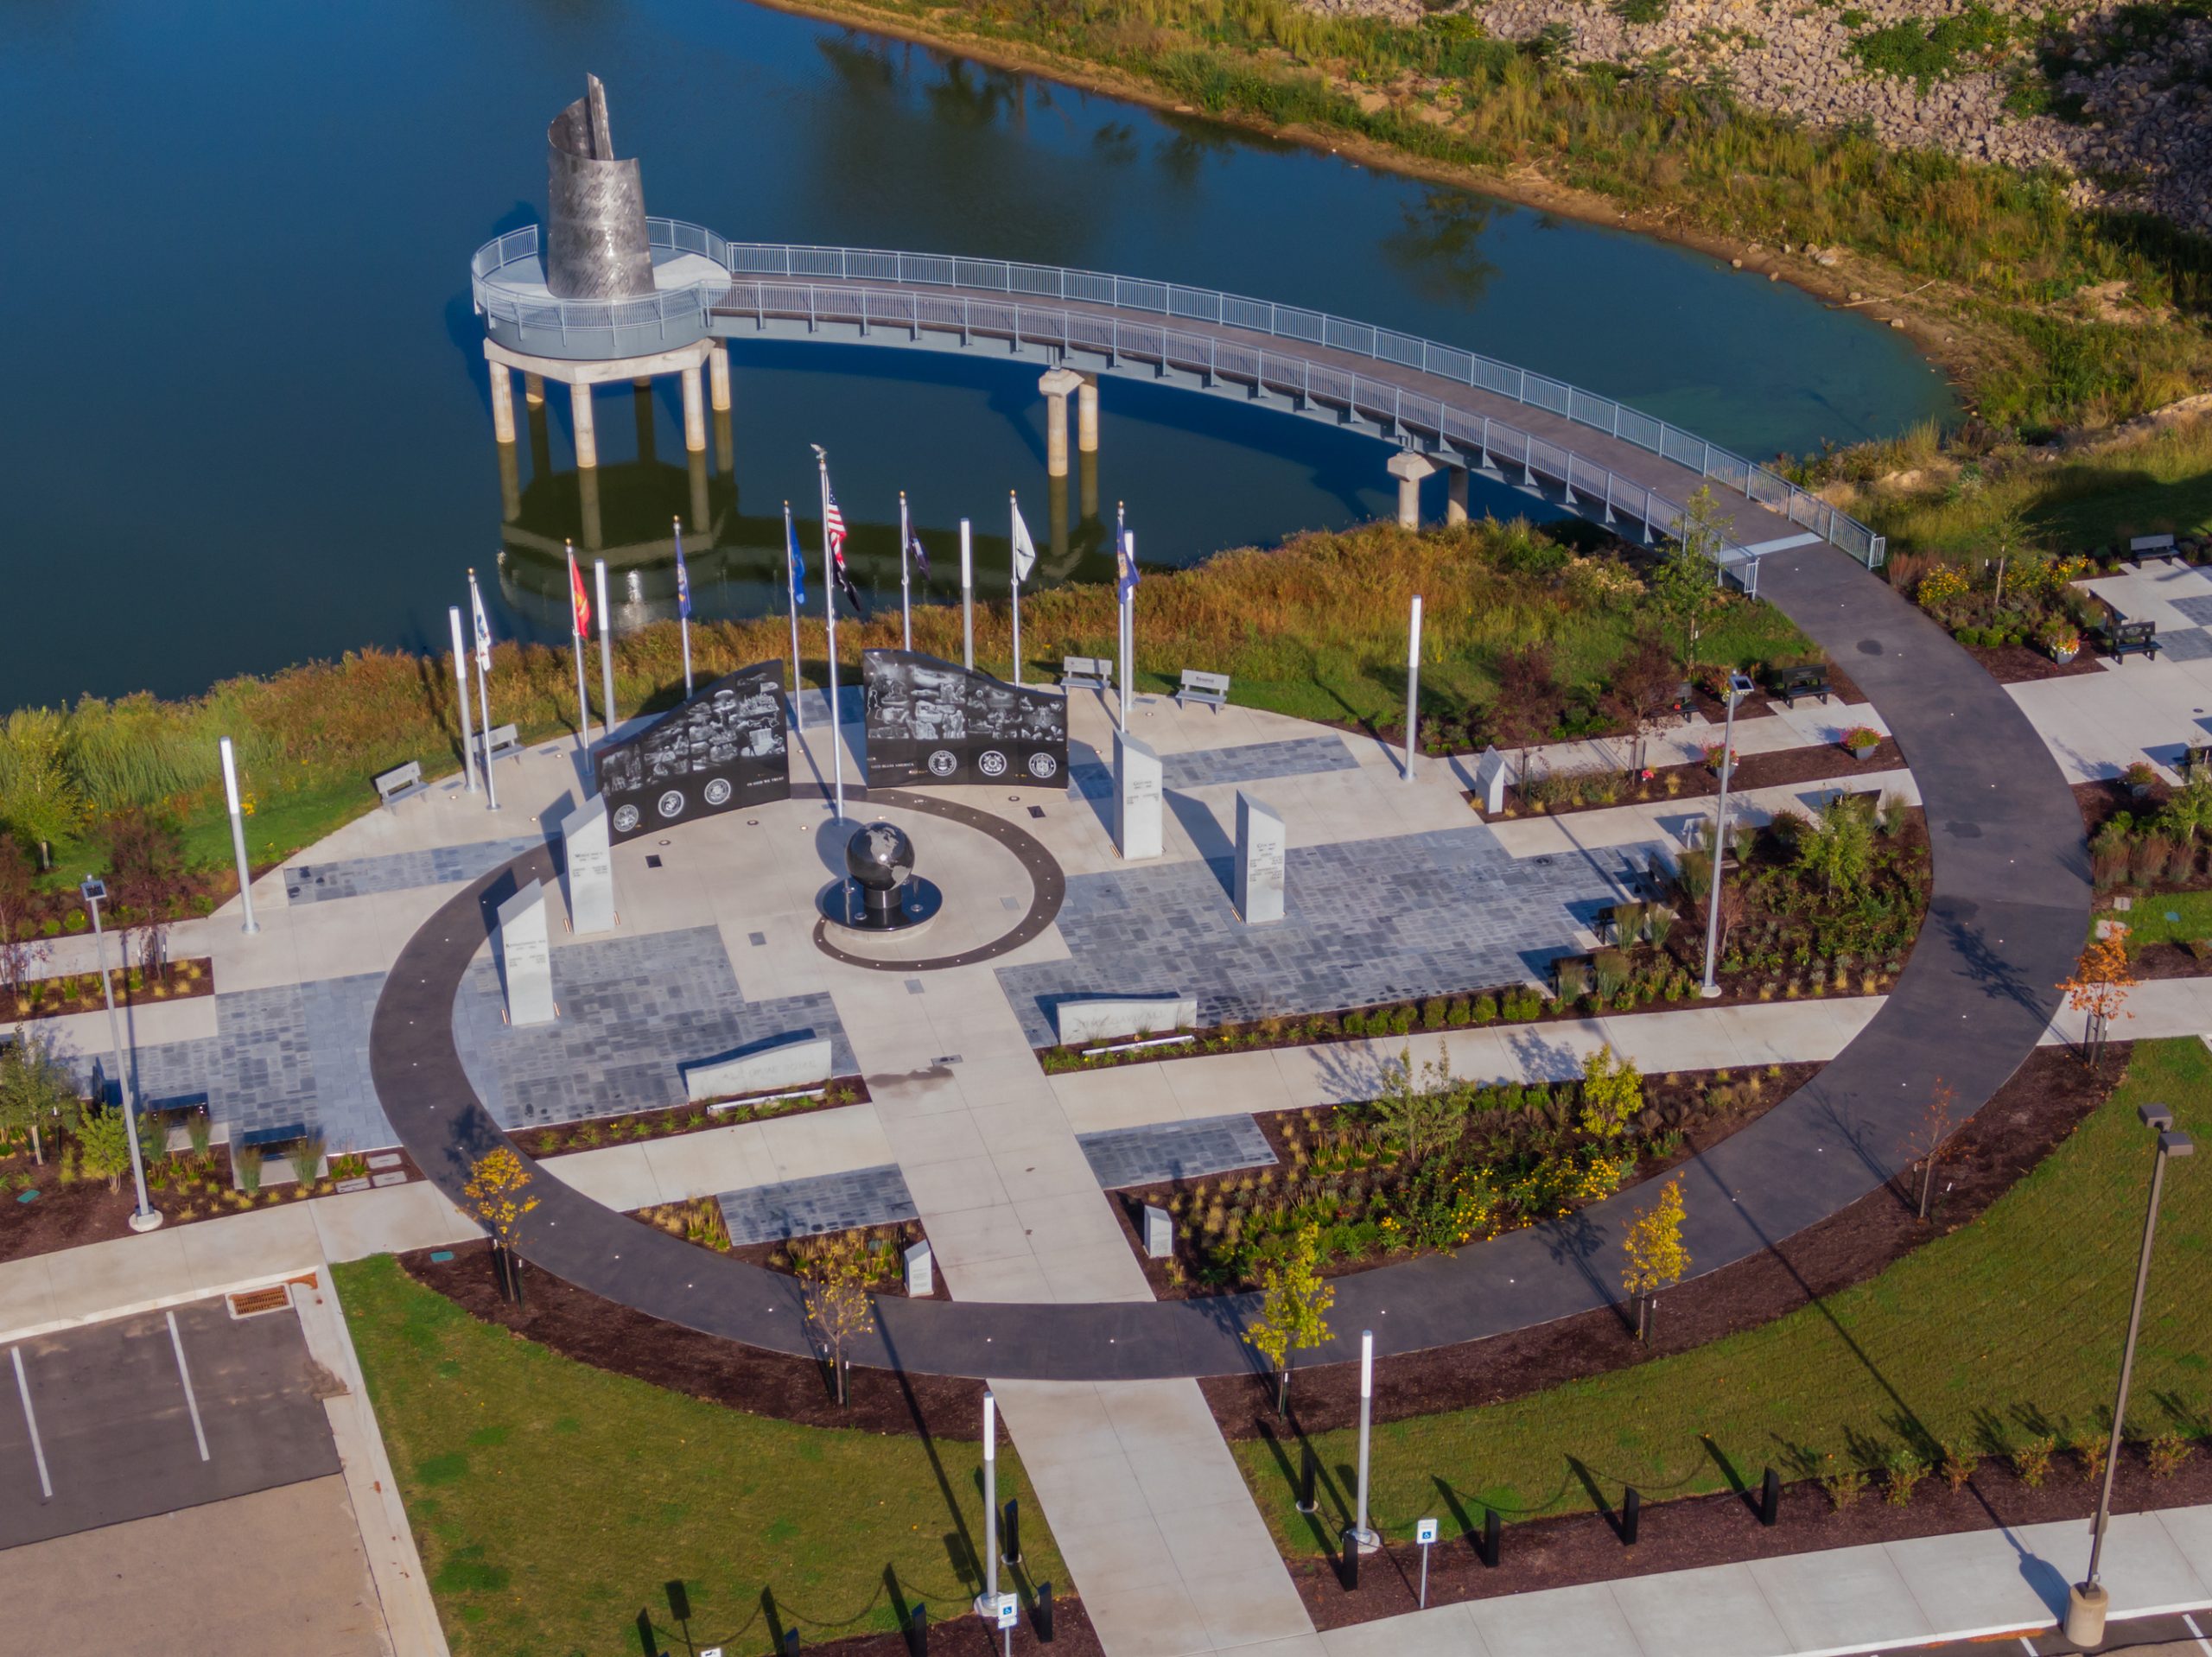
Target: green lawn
{"type": "Point", "coordinates": [2148, 919]}
{"type": "Point", "coordinates": [2009, 1327]}
{"type": "Point", "coordinates": [552, 1500]}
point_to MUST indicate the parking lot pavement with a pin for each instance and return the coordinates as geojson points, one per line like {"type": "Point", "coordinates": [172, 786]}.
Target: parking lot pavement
{"type": "Point", "coordinates": [2180, 1634]}
{"type": "Point", "coordinates": [149, 1414]}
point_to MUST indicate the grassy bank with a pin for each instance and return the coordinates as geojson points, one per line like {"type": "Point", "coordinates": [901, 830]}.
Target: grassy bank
{"type": "Point", "coordinates": [1982, 1340]}
{"type": "Point", "coordinates": [1315, 628]}
{"type": "Point", "coordinates": [552, 1500]}
{"type": "Point", "coordinates": [2006, 257]}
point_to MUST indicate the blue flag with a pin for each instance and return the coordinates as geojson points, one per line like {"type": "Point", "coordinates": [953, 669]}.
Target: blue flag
{"type": "Point", "coordinates": [683, 576]}
{"type": "Point", "coordinates": [791, 557]}
{"type": "Point", "coordinates": [1125, 563]}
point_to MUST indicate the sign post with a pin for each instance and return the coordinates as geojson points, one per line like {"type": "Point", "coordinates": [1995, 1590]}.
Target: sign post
{"type": "Point", "coordinates": [1424, 1533]}
{"type": "Point", "coordinates": [1008, 1610]}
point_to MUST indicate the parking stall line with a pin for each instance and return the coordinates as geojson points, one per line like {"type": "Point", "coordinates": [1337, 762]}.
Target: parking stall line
{"type": "Point", "coordinates": [184, 1373]}
{"type": "Point", "coordinates": [30, 1421]}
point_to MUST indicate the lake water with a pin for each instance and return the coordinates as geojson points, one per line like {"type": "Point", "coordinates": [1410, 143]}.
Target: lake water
{"type": "Point", "coordinates": [247, 418]}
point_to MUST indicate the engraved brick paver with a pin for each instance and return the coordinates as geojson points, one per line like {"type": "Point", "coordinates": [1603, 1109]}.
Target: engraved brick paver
{"type": "Point", "coordinates": [804, 1208]}
{"type": "Point", "coordinates": [634, 1010]}
{"type": "Point", "coordinates": [1122, 1156]}
{"type": "Point", "coordinates": [442, 866]}
{"type": "Point", "coordinates": [1365, 921]}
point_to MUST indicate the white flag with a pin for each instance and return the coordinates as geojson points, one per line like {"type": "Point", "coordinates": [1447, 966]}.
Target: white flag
{"type": "Point", "coordinates": [483, 626]}
{"type": "Point", "coordinates": [1024, 549]}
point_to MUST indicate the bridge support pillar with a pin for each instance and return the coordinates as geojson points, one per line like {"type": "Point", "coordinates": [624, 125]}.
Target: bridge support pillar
{"type": "Point", "coordinates": [533, 389]}
{"type": "Point", "coordinates": [718, 377]}
{"type": "Point", "coordinates": [503, 405]}
{"type": "Point", "coordinates": [1410, 468]}
{"type": "Point", "coordinates": [1056, 384]}
{"type": "Point", "coordinates": [580, 417]}
{"type": "Point", "coordinates": [1086, 415]}
{"type": "Point", "coordinates": [694, 413]}
{"type": "Point", "coordinates": [1455, 499]}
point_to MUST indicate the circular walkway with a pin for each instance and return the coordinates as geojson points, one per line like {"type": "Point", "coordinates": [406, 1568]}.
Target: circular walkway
{"type": "Point", "coordinates": [2010, 908]}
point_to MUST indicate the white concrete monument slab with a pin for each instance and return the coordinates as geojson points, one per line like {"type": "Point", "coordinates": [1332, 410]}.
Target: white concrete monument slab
{"type": "Point", "coordinates": [591, 858]}
{"type": "Point", "coordinates": [786, 1067]}
{"type": "Point", "coordinates": [526, 957]}
{"type": "Point", "coordinates": [1158, 1233]}
{"type": "Point", "coordinates": [1110, 1017]}
{"type": "Point", "coordinates": [1136, 798]}
{"type": "Point", "coordinates": [1490, 777]}
{"type": "Point", "coordinates": [921, 1271]}
{"type": "Point", "coordinates": [1262, 849]}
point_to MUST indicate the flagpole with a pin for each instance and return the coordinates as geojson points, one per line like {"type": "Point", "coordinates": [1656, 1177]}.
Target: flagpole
{"type": "Point", "coordinates": [576, 639]}
{"type": "Point", "coordinates": [606, 647]}
{"type": "Point", "coordinates": [460, 673]}
{"type": "Point", "coordinates": [905, 606]}
{"type": "Point", "coordinates": [830, 607]}
{"type": "Point", "coordinates": [483, 695]}
{"type": "Point", "coordinates": [1122, 606]}
{"type": "Point", "coordinates": [1014, 509]}
{"type": "Point", "coordinates": [791, 591]}
{"type": "Point", "coordinates": [967, 601]}
{"type": "Point", "coordinates": [1129, 630]}
{"type": "Point", "coordinates": [684, 608]}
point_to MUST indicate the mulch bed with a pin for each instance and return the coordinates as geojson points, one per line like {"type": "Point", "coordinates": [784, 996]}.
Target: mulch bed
{"type": "Point", "coordinates": [1820, 763]}
{"type": "Point", "coordinates": [2166, 961]}
{"type": "Point", "coordinates": [1722, 1529]}
{"type": "Point", "coordinates": [2106, 798]}
{"type": "Point", "coordinates": [42, 997]}
{"type": "Point", "coordinates": [2014, 664]}
{"type": "Point", "coordinates": [597, 1132]}
{"type": "Point", "coordinates": [578, 1324]}
{"type": "Point", "coordinates": [1658, 1091]}
{"type": "Point", "coordinates": [971, 1636]}
{"type": "Point", "coordinates": [2043, 1103]}
{"type": "Point", "coordinates": [775, 1257]}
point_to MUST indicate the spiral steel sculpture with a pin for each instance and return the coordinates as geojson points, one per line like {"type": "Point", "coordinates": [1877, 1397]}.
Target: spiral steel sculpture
{"type": "Point", "coordinates": [595, 242]}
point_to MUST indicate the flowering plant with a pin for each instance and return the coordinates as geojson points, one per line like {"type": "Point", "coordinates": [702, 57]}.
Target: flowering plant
{"type": "Point", "coordinates": [1862, 739]}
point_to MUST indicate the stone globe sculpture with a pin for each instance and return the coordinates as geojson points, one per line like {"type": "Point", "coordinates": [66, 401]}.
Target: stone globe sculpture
{"type": "Point", "coordinates": [879, 857]}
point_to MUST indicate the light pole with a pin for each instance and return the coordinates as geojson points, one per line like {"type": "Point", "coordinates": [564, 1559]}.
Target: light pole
{"type": "Point", "coordinates": [1361, 1538]}
{"type": "Point", "coordinates": [146, 1217]}
{"type": "Point", "coordinates": [2086, 1600]}
{"type": "Point", "coordinates": [238, 834]}
{"type": "Point", "coordinates": [1739, 686]}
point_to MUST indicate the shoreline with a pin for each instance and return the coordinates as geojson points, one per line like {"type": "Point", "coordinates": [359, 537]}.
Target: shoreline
{"type": "Point", "coordinates": [1935, 333]}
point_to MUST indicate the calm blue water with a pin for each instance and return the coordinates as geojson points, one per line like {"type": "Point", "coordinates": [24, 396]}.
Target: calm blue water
{"type": "Point", "coordinates": [247, 421]}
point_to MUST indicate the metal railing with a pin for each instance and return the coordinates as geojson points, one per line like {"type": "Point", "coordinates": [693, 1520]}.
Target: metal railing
{"type": "Point", "coordinates": [668, 316]}
{"type": "Point", "coordinates": [1263, 370]}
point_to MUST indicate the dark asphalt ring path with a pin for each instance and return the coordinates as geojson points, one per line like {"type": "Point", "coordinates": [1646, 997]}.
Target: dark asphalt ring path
{"type": "Point", "coordinates": [2010, 909]}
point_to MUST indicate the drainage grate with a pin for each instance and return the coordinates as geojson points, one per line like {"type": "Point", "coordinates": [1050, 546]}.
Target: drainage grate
{"type": "Point", "coordinates": [256, 1302]}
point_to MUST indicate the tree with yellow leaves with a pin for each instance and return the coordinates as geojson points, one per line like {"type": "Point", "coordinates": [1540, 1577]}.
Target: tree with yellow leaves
{"type": "Point", "coordinates": [2099, 988]}
{"type": "Point", "coordinates": [1294, 1304]}
{"type": "Point", "coordinates": [1654, 1257]}
{"type": "Point", "coordinates": [496, 1182]}
{"type": "Point", "coordinates": [837, 1272]}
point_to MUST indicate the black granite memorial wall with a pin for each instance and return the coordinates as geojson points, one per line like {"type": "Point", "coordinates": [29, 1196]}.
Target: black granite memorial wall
{"type": "Point", "coordinates": [931, 721]}
{"type": "Point", "coordinates": [725, 748]}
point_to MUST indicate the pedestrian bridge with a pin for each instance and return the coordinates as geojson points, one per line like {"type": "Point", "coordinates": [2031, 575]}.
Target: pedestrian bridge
{"type": "Point", "coordinates": [1452, 407]}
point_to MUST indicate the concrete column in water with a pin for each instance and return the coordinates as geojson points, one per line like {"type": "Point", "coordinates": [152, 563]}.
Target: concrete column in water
{"type": "Point", "coordinates": [1410, 468]}
{"type": "Point", "coordinates": [696, 462]}
{"type": "Point", "coordinates": [533, 389]}
{"type": "Point", "coordinates": [588, 494]}
{"type": "Point", "coordinates": [502, 403]}
{"type": "Point", "coordinates": [694, 413]}
{"type": "Point", "coordinates": [510, 483]}
{"type": "Point", "coordinates": [1056, 384]}
{"type": "Point", "coordinates": [1086, 415]}
{"type": "Point", "coordinates": [718, 377]}
{"type": "Point", "coordinates": [1455, 497]}
{"type": "Point", "coordinates": [579, 414]}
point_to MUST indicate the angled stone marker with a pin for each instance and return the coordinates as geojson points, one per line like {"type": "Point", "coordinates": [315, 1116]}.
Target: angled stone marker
{"type": "Point", "coordinates": [526, 957]}
{"type": "Point", "coordinates": [921, 1271]}
{"type": "Point", "coordinates": [590, 858]}
{"type": "Point", "coordinates": [1158, 1233]}
{"type": "Point", "coordinates": [785, 1066]}
{"type": "Point", "coordinates": [1263, 848]}
{"type": "Point", "coordinates": [1110, 1017]}
{"type": "Point", "coordinates": [1136, 798]}
{"type": "Point", "coordinates": [1490, 781]}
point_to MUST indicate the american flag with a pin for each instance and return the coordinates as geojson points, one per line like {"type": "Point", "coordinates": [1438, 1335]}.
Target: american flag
{"type": "Point", "coordinates": [833, 528]}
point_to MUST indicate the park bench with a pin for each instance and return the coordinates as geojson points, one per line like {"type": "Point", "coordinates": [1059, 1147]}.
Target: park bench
{"type": "Point", "coordinates": [1806, 679]}
{"type": "Point", "coordinates": [2119, 637]}
{"type": "Point", "coordinates": [1086, 672]}
{"type": "Point", "coordinates": [261, 1139]}
{"type": "Point", "coordinates": [400, 783]}
{"type": "Point", "coordinates": [1212, 688]}
{"type": "Point", "coordinates": [500, 741]}
{"type": "Point", "coordinates": [2145, 547]}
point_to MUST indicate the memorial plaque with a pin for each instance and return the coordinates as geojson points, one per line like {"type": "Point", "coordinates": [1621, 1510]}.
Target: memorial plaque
{"type": "Point", "coordinates": [591, 868]}
{"type": "Point", "coordinates": [725, 748]}
{"type": "Point", "coordinates": [1136, 798]}
{"type": "Point", "coordinates": [793, 1063]}
{"type": "Point", "coordinates": [526, 956]}
{"type": "Point", "coordinates": [1159, 1234]}
{"type": "Point", "coordinates": [1490, 781]}
{"type": "Point", "coordinates": [930, 721]}
{"type": "Point", "coordinates": [921, 1271]}
{"type": "Point", "coordinates": [1262, 850]}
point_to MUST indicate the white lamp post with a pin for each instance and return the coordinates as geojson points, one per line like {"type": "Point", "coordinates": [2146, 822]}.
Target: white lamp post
{"type": "Point", "coordinates": [1739, 686]}
{"type": "Point", "coordinates": [238, 836]}
{"type": "Point", "coordinates": [145, 1217]}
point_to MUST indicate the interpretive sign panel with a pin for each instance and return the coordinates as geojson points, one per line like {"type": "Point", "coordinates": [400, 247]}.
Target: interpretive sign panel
{"type": "Point", "coordinates": [726, 747]}
{"type": "Point", "coordinates": [931, 721]}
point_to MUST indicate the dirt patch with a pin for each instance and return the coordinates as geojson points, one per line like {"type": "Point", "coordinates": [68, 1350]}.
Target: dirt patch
{"type": "Point", "coordinates": [1823, 763]}
{"type": "Point", "coordinates": [2043, 1103]}
{"type": "Point", "coordinates": [578, 1324]}
{"type": "Point", "coordinates": [1718, 1530]}
{"type": "Point", "coordinates": [2167, 961]}
{"type": "Point", "coordinates": [2105, 799]}
{"type": "Point", "coordinates": [2014, 665]}
{"type": "Point", "coordinates": [971, 1636]}
{"type": "Point", "coordinates": [187, 979]}
{"type": "Point", "coordinates": [594, 1131]}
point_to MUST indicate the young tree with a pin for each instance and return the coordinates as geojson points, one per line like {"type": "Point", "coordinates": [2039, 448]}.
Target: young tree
{"type": "Point", "coordinates": [837, 1301]}
{"type": "Point", "coordinates": [1933, 1135]}
{"type": "Point", "coordinates": [1687, 583]}
{"type": "Point", "coordinates": [37, 1093]}
{"type": "Point", "coordinates": [1641, 693]}
{"type": "Point", "coordinates": [2099, 988]}
{"type": "Point", "coordinates": [1529, 698]}
{"type": "Point", "coordinates": [1420, 1113]}
{"type": "Point", "coordinates": [1840, 847]}
{"type": "Point", "coordinates": [1294, 1302]}
{"type": "Point", "coordinates": [1613, 1093]}
{"type": "Point", "coordinates": [20, 949]}
{"type": "Point", "coordinates": [1654, 1257]}
{"type": "Point", "coordinates": [494, 1192]}
{"type": "Point", "coordinates": [1696, 882]}
{"type": "Point", "coordinates": [104, 1145]}
{"type": "Point", "coordinates": [146, 879]}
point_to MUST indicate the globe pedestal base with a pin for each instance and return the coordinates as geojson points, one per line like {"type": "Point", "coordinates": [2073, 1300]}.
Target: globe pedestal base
{"type": "Point", "coordinates": [914, 904]}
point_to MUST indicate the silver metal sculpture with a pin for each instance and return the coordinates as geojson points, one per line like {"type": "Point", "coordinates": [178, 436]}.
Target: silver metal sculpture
{"type": "Point", "coordinates": [595, 246]}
